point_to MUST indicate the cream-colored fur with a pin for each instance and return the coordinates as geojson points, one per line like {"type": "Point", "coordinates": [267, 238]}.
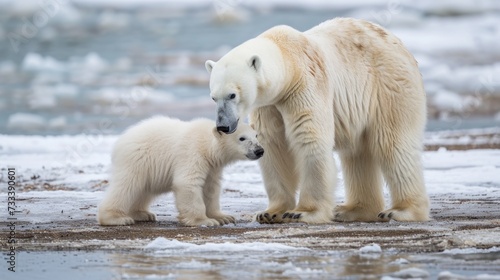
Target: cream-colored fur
{"type": "Point", "coordinates": [347, 85]}
{"type": "Point", "coordinates": [160, 155]}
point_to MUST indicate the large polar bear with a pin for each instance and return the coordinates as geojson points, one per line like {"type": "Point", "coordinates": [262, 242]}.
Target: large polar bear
{"type": "Point", "coordinates": [347, 85]}
{"type": "Point", "coordinates": [160, 155]}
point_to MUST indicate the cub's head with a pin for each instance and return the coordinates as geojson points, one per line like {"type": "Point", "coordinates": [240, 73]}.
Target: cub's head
{"type": "Point", "coordinates": [240, 145]}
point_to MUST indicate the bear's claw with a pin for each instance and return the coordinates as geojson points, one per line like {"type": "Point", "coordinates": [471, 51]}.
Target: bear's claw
{"type": "Point", "coordinates": [385, 216]}
{"type": "Point", "coordinates": [292, 217]}
{"type": "Point", "coordinates": [266, 218]}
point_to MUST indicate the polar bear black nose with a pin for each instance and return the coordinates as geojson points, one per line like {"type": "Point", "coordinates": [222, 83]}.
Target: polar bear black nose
{"type": "Point", "coordinates": [259, 153]}
{"type": "Point", "coordinates": [224, 129]}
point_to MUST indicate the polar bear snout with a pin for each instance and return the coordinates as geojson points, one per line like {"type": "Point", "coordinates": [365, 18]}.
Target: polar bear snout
{"type": "Point", "coordinates": [257, 153]}
{"type": "Point", "coordinates": [226, 126]}
{"type": "Point", "coordinates": [227, 117]}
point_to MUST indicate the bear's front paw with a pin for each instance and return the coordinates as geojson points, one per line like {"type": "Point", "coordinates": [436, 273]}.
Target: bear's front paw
{"type": "Point", "coordinates": [344, 213]}
{"type": "Point", "coordinates": [269, 217]}
{"type": "Point", "coordinates": [143, 216]}
{"type": "Point", "coordinates": [200, 222]}
{"type": "Point", "coordinates": [224, 219]}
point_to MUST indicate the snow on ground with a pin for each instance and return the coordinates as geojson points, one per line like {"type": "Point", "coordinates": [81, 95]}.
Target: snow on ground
{"type": "Point", "coordinates": [65, 176]}
{"type": "Point", "coordinates": [61, 179]}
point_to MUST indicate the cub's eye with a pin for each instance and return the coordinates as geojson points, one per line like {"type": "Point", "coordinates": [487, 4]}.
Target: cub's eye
{"type": "Point", "coordinates": [232, 96]}
{"type": "Point", "coordinates": [213, 98]}
{"type": "Point", "coordinates": [242, 139]}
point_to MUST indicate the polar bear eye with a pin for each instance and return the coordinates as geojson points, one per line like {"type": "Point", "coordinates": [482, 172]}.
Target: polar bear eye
{"type": "Point", "coordinates": [232, 96]}
{"type": "Point", "coordinates": [242, 139]}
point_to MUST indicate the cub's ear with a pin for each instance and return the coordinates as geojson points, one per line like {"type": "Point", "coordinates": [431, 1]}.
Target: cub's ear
{"type": "Point", "coordinates": [252, 126]}
{"type": "Point", "coordinates": [216, 133]}
{"type": "Point", "coordinates": [255, 62]}
{"type": "Point", "coordinates": [209, 64]}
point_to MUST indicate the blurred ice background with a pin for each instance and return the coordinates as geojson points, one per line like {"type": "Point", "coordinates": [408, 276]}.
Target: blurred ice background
{"type": "Point", "coordinates": [96, 66]}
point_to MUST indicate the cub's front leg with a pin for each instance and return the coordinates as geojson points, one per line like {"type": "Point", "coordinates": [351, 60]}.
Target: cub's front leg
{"type": "Point", "coordinates": [211, 196]}
{"type": "Point", "coordinates": [188, 192]}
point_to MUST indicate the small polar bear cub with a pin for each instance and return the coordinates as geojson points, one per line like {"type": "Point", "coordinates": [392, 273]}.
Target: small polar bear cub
{"type": "Point", "coordinates": [160, 155]}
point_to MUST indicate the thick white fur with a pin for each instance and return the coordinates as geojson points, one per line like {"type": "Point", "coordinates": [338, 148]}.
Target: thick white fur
{"type": "Point", "coordinates": [160, 155]}
{"type": "Point", "coordinates": [345, 84]}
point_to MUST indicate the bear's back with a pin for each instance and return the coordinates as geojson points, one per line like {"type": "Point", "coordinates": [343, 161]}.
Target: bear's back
{"type": "Point", "coordinates": [162, 135]}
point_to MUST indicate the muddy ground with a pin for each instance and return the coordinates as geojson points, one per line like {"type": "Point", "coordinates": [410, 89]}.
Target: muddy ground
{"type": "Point", "coordinates": [450, 228]}
{"type": "Point", "coordinates": [456, 223]}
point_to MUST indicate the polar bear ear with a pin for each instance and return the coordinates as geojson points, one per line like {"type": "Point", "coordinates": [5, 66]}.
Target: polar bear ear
{"type": "Point", "coordinates": [255, 62]}
{"type": "Point", "coordinates": [209, 64]}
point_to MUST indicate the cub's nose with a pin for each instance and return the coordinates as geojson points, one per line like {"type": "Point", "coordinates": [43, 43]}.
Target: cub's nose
{"type": "Point", "coordinates": [259, 152]}
{"type": "Point", "coordinates": [224, 129]}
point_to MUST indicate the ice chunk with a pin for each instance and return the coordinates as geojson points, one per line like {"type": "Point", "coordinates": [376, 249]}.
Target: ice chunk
{"type": "Point", "coordinates": [411, 273]}
{"type": "Point", "coordinates": [58, 123]}
{"type": "Point", "coordinates": [93, 62]}
{"type": "Point", "coordinates": [163, 243]}
{"type": "Point", "coordinates": [447, 100]}
{"type": "Point", "coordinates": [371, 249]}
{"type": "Point", "coordinates": [36, 62]}
{"type": "Point", "coordinates": [25, 121]}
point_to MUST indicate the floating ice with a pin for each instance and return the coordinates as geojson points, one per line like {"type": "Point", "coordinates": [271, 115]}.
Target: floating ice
{"type": "Point", "coordinates": [371, 249]}
{"type": "Point", "coordinates": [93, 62]}
{"type": "Point", "coordinates": [302, 271]}
{"type": "Point", "coordinates": [163, 243]}
{"type": "Point", "coordinates": [194, 264]}
{"type": "Point", "coordinates": [411, 273]}
{"type": "Point", "coordinates": [446, 275]}
{"type": "Point", "coordinates": [458, 251]}
{"type": "Point", "coordinates": [58, 122]}
{"type": "Point", "coordinates": [400, 261]}
{"type": "Point", "coordinates": [26, 121]}
{"type": "Point", "coordinates": [36, 62]}
{"type": "Point", "coordinates": [447, 100]}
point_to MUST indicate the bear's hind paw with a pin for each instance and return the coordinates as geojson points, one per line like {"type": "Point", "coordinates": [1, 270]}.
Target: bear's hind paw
{"type": "Point", "coordinates": [143, 216]}
{"type": "Point", "coordinates": [344, 213]}
{"type": "Point", "coordinates": [117, 221]}
{"type": "Point", "coordinates": [225, 219]}
{"type": "Point", "coordinates": [403, 215]}
{"type": "Point", "coordinates": [200, 222]}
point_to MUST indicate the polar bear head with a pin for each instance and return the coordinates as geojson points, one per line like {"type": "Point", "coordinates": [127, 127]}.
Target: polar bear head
{"type": "Point", "coordinates": [242, 80]}
{"type": "Point", "coordinates": [234, 89]}
{"type": "Point", "coordinates": [240, 145]}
